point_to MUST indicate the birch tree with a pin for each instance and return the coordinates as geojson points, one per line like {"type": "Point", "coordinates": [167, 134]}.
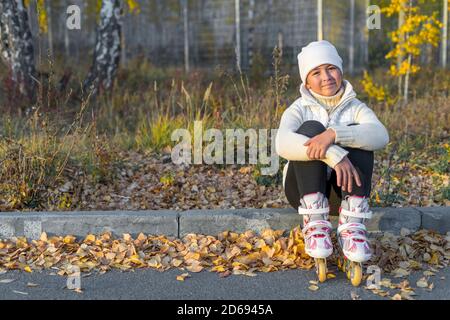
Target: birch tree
{"type": "Point", "coordinates": [107, 48]}
{"type": "Point", "coordinates": [16, 46]}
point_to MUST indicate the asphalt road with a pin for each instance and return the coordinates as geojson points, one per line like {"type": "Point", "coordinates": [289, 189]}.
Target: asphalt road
{"type": "Point", "coordinates": [144, 284]}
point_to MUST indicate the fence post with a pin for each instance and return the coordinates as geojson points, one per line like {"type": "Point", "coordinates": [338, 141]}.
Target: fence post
{"type": "Point", "coordinates": [351, 49]}
{"type": "Point", "coordinates": [444, 34]}
{"type": "Point", "coordinates": [366, 34]}
{"type": "Point", "coordinates": [251, 30]}
{"type": "Point", "coordinates": [186, 35]}
{"type": "Point", "coordinates": [238, 33]}
{"type": "Point", "coordinates": [319, 20]}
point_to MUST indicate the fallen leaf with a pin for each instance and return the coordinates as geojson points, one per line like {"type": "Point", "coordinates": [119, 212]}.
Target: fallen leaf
{"type": "Point", "coordinates": [407, 295]}
{"type": "Point", "coordinates": [7, 280]}
{"type": "Point", "coordinates": [43, 237]}
{"type": "Point", "coordinates": [20, 292]}
{"type": "Point", "coordinates": [30, 284]}
{"type": "Point", "coordinates": [69, 239]}
{"type": "Point", "coordinates": [225, 274]}
{"type": "Point", "coordinates": [195, 268]}
{"type": "Point", "coordinates": [182, 276]}
{"type": "Point", "coordinates": [422, 283]}
{"type": "Point", "coordinates": [400, 272]}
{"type": "Point", "coordinates": [428, 273]}
{"type": "Point", "coordinates": [354, 296]}
{"type": "Point", "coordinates": [89, 238]}
{"type": "Point", "coordinates": [397, 297]}
{"type": "Point", "coordinates": [313, 288]}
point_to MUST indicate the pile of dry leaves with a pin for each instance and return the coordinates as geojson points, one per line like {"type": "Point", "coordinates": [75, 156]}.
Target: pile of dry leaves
{"type": "Point", "coordinates": [148, 181]}
{"type": "Point", "coordinates": [228, 253]}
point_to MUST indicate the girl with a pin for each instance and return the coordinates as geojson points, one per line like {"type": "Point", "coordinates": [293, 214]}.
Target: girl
{"type": "Point", "coordinates": [328, 137]}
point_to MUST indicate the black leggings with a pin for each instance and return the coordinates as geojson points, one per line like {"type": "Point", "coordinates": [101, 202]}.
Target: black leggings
{"type": "Point", "coordinates": [305, 177]}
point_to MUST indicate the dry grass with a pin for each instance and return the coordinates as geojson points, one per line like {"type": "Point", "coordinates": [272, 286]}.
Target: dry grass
{"type": "Point", "coordinates": [55, 140]}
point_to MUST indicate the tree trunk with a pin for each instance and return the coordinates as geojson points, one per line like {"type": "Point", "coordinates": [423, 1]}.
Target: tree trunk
{"type": "Point", "coordinates": [16, 46]}
{"type": "Point", "coordinates": [107, 48]}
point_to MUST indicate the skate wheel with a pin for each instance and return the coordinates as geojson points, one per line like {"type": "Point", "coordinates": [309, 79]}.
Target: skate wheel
{"type": "Point", "coordinates": [355, 273]}
{"type": "Point", "coordinates": [346, 268]}
{"type": "Point", "coordinates": [339, 264]}
{"type": "Point", "coordinates": [321, 269]}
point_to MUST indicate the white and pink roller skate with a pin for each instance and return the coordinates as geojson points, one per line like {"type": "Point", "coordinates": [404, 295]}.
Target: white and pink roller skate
{"type": "Point", "coordinates": [352, 237]}
{"type": "Point", "coordinates": [316, 230]}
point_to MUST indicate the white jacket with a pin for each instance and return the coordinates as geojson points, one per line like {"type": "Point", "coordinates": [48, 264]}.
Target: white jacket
{"type": "Point", "coordinates": [369, 134]}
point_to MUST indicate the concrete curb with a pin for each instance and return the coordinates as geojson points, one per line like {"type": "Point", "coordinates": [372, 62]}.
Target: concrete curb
{"type": "Point", "coordinates": [211, 222]}
{"type": "Point", "coordinates": [32, 224]}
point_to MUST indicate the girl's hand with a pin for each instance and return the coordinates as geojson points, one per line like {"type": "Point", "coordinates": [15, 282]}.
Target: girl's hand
{"type": "Point", "coordinates": [318, 145]}
{"type": "Point", "coordinates": [345, 172]}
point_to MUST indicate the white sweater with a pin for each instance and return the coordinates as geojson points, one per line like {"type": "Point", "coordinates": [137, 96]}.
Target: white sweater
{"type": "Point", "coordinates": [369, 134]}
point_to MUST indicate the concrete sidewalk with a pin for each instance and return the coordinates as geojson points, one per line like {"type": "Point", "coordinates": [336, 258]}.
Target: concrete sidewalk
{"type": "Point", "coordinates": [210, 222]}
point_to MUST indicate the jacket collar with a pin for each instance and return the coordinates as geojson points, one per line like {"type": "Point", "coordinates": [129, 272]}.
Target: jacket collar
{"type": "Point", "coordinates": [308, 99]}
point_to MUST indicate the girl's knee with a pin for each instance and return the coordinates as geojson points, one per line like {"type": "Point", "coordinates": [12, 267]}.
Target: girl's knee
{"type": "Point", "coordinates": [311, 128]}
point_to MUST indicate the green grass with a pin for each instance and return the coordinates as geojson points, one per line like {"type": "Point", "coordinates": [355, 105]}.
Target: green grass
{"type": "Point", "coordinates": [42, 148]}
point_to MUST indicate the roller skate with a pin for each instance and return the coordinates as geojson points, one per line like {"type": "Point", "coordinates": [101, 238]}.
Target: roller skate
{"type": "Point", "coordinates": [316, 230]}
{"type": "Point", "coordinates": [352, 238]}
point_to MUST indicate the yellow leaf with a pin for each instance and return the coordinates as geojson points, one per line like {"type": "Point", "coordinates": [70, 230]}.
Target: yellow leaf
{"type": "Point", "coordinates": [135, 259]}
{"type": "Point", "coordinates": [397, 297]}
{"type": "Point", "coordinates": [245, 244]}
{"type": "Point", "coordinates": [434, 258]}
{"type": "Point", "coordinates": [69, 239]}
{"type": "Point", "coordinates": [43, 237]}
{"type": "Point", "coordinates": [153, 263]}
{"type": "Point", "coordinates": [89, 238]}
{"type": "Point", "coordinates": [141, 237]}
{"type": "Point", "coordinates": [176, 262]}
{"type": "Point", "coordinates": [268, 251]}
{"type": "Point", "coordinates": [110, 255]}
{"type": "Point", "coordinates": [192, 255]}
{"type": "Point", "coordinates": [28, 269]}
{"type": "Point", "coordinates": [218, 269]}
{"type": "Point", "coordinates": [127, 237]}
{"type": "Point", "coordinates": [182, 276]}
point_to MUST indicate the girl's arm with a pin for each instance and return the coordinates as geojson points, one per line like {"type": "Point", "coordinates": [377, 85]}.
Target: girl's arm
{"type": "Point", "coordinates": [369, 133]}
{"type": "Point", "coordinates": [289, 143]}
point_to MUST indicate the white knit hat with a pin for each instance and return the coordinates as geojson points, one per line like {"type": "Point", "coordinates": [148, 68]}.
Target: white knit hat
{"type": "Point", "coordinates": [315, 54]}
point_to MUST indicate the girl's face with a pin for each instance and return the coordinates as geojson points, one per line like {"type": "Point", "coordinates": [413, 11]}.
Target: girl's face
{"type": "Point", "coordinates": [325, 80]}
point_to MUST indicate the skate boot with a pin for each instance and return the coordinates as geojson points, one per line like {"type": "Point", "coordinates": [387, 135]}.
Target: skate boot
{"type": "Point", "coordinates": [316, 230]}
{"type": "Point", "coordinates": [352, 238]}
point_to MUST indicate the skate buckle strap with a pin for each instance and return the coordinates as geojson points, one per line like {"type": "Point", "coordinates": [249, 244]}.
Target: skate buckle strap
{"type": "Point", "coordinates": [357, 213]}
{"type": "Point", "coordinates": [302, 211]}
{"type": "Point", "coordinates": [353, 226]}
{"type": "Point", "coordinates": [317, 223]}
